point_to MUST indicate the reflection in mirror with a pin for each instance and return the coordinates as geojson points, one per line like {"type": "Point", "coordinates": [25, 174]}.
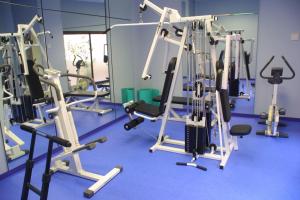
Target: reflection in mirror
{"type": "Point", "coordinates": [25, 98]}
{"type": "Point", "coordinates": [84, 56]}
{"type": "Point", "coordinates": [22, 93]}
{"type": "Point", "coordinates": [245, 24]}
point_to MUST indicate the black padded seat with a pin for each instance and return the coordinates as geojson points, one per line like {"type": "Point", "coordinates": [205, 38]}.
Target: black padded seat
{"type": "Point", "coordinates": [86, 94]}
{"type": "Point", "coordinates": [236, 130]}
{"type": "Point", "coordinates": [148, 109]}
{"type": "Point", "coordinates": [240, 130]}
{"type": "Point", "coordinates": [155, 111]}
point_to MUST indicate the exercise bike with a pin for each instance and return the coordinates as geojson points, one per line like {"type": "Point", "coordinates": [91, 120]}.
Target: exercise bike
{"type": "Point", "coordinates": [271, 119]}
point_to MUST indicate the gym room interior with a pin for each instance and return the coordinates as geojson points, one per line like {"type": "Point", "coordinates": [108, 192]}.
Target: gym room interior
{"type": "Point", "coordinates": [149, 99]}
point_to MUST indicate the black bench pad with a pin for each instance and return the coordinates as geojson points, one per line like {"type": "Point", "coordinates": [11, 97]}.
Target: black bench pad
{"type": "Point", "coordinates": [86, 94]}
{"type": "Point", "coordinates": [148, 109]}
{"type": "Point", "coordinates": [240, 130]}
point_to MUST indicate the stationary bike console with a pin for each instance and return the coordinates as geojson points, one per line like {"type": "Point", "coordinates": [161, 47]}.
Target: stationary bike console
{"type": "Point", "coordinates": [276, 72]}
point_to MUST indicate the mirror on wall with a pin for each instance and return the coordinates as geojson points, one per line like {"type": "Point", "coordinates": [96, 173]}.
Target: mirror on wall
{"type": "Point", "coordinates": [23, 97]}
{"type": "Point", "coordinates": [72, 37]}
{"type": "Point", "coordinates": [245, 24]}
{"type": "Point", "coordinates": [238, 17]}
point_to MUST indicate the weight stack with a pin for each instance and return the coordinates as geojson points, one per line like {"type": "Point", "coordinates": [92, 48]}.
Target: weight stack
{"type": "Point", "coordinates": [24, 112]}
{"type": "Point", "coordinates": [195, 139]}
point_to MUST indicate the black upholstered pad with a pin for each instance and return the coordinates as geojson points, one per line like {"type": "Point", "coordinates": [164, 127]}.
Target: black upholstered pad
{"type": "Point", "coordinates": [86, 94]}
{"type": "Point", "coordinates": [148, 109]}
{"type": "Point", "coordinates": [175, 100]}
{"type": "Point", "coordinates": [240, 130]}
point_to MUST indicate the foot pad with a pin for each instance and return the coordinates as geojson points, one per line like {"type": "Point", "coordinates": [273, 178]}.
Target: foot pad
{"type": "Point", "coordinates": [88, 193]}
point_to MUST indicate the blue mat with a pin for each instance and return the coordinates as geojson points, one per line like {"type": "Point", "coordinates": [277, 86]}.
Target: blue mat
{"type": "Point", "coordinates": [263, 168]}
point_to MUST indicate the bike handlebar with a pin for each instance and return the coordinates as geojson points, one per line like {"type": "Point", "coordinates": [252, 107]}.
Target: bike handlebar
{"type": "Point", "coordinates": [291, 69]}
{"type": "Point", "coordinates": [265, 67]}
{"type": "Point", "coordinates": [268, 63]}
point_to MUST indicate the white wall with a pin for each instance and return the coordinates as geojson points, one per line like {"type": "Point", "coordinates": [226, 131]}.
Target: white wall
{"type": "Point", "coordinates": [6, 19]}
{"type": "Point", "coordinates": [122, 49]}
{"type": "Point", "coordinates": [277, 20]}
{"type": "Point", "coordinates": [226, 6]}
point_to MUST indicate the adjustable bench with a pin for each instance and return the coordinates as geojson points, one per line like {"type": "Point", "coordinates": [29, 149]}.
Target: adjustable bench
{"type": "Point", "coordinates": [235, 130]}
{"type": "Point", "coordinates": [149, 111]}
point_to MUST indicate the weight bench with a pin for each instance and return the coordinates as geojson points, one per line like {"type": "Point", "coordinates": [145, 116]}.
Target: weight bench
{"type": "Point", "coordinates": [95, 105]}
{"type": "Point", "coordinates": [235, 130]}
{"type": "Point", "coordinates": [149, 111]}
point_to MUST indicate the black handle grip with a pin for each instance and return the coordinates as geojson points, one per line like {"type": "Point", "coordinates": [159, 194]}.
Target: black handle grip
{"type": "Point", "coordinates": [181, 163]}
{"type": "Point", "coordinates": [60, 141]}
{"type": "Point", "coordinates": [28, 129]}
{"type": "Point", "coordinates": [178, 31]}
{"type": "Point", "coordinates": [291, 69]}
{"type": "Point", "coordinates": [99, 140]}
{"type": "Point", "coordinates": [201, 167]}
{"type": "Point", "coordinates": [265, 67]}
{"type": "Point", "coordinates": [55, 139]}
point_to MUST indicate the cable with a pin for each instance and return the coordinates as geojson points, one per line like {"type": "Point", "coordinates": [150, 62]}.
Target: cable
{"type": "Point", "coordinates": [45, 37]}
{"type": "Point", "coordinates": [61, 11]}
{"type": "Point", "coordinates": [111, 52]}
{"type": "Point", "coordinates": [86, 26]}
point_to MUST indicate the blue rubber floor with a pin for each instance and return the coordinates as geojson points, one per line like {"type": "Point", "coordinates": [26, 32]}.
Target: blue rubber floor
{"type": "Point", "coordinates": [263, 168]}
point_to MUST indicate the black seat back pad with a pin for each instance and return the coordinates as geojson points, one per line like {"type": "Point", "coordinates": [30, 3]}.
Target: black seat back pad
{"type": "Point", "coordinates": [219, 79]}
{"type": "Point", "coordinates": [33, 81]}
{"type": "Point", "coordinates": [224, 96]}
{"type": "Point", "coordinates": [167, 84]}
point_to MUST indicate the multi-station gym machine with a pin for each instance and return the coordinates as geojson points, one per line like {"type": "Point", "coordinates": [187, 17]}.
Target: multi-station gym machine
{"type": "Point", "coordinates": [208, 108]}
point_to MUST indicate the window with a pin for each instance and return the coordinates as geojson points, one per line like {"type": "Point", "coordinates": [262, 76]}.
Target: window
{"type": "Point", "coordinates": [84, 55]}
